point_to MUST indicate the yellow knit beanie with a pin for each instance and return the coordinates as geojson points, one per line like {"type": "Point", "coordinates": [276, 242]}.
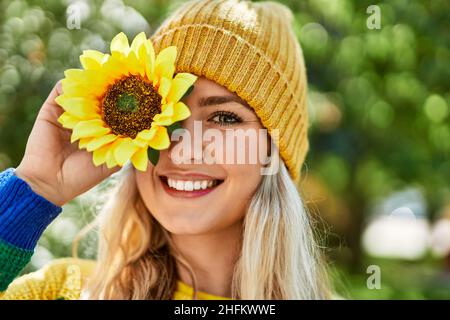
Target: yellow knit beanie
{"type": "Point", "coordinates": [251, 49]}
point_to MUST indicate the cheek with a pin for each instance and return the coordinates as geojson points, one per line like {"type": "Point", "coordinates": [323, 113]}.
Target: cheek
{"type": "Point", "coordinates": [146, 186]}
{"type": "Point", "coordinates": [243, 181]}
{"type": "Point", "coordinates": [245, 176]}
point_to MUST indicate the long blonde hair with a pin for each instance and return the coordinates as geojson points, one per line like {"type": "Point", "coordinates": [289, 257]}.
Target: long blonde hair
{"type": "Point", "coordinates": [279, 256]}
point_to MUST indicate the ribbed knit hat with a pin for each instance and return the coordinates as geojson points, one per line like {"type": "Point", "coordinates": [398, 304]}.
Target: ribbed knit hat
{"type": "Point", "coordinates": [249, 48]}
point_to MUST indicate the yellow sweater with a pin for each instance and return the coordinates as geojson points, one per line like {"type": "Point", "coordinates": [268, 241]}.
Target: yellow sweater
{"type": "Point", "coordinates": [64, 279]}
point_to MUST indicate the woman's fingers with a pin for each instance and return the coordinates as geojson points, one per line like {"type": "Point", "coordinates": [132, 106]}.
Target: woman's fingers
{"type": "Point", "coordinates": [51, 110]}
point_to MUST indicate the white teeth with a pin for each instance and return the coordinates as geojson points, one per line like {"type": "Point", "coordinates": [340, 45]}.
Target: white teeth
{"type": "Point", "coordinates": [190, 185]}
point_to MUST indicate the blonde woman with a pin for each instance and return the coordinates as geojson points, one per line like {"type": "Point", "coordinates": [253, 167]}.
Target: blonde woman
{"type": "Point", "coordinates": [185, 228]}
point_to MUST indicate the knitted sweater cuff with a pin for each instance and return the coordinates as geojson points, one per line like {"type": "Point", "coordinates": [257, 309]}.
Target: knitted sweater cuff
{"type": "Point", "coordinates": [24, 214]}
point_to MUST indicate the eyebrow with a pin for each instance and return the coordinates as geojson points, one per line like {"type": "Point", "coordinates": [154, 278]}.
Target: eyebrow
{"type": "Point", "coordinates": [215, 100]}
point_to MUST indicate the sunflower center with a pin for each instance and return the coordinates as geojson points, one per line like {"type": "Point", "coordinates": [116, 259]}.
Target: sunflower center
{"type": "Point", "coordinates": [127, 102]}
{"type": "Point", "coordinates": [129, 106]}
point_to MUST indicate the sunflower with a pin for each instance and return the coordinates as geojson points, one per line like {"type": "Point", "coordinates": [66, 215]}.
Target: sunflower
{"type": "Point", "coordinates": [122, 106]}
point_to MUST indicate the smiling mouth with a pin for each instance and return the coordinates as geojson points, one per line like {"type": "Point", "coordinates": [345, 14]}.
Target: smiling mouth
{"type": "Point", "coordinates": [190, 185]}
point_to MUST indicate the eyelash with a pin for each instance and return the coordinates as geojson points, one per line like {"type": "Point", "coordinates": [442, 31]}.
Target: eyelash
{"type": "Point", "coordinates": [237, 119]}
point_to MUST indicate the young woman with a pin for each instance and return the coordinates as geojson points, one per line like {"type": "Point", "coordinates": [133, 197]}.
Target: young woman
{"type": "Point", "coordinates": [184, 229]}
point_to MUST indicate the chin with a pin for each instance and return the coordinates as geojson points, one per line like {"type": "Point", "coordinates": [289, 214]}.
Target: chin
{"type": "Point", "coordinates": [183, 223]}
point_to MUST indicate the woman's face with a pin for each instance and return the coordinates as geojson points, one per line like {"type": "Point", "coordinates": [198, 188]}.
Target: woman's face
{"type": "Point", "coordinates": [212, 192]}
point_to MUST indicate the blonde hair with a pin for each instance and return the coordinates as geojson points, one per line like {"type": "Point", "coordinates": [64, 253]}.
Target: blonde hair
{"type": "Point", "coordinates": [279, 257]}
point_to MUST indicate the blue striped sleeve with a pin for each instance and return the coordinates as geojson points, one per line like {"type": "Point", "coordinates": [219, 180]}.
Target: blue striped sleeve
{"type": "Point", "coordinates": [24, 214]}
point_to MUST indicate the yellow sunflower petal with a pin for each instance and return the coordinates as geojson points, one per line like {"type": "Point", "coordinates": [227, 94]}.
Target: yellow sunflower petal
{"type": "Point", "coordinates": [99, 156]}
{"type": "Point", "coordinates": [75, 89]}
{"type": "Point", "coordinates": [165, 118]}
{"type": "Point", "coordinates": [147, 134]}
{"type": "Point", "coordinates": [99, 142]}
{"type": "Point", "coordinates": [85, 76]}
{"type": "Point", "coordinates": [138, 41]}
{"type": "Point", "coordinates": [78, 107]}
{"type": "Point", "coordinates": [161, 120]}
{"type": "Point", "coordinates": [120, 44]}
{"type": "Point", "coordinates": [181, 112]}
{"type": "Point", "coordinates": [133, 65]}
{"type": "Point", "coordinates": [140, 159]}
{"type": "Point", "coordinates": [68, 121]}
{"type": "Point", "coordinates": [140, 143]}
{"type": "Point", "coordinates": [110, 159]}
{"type": "Point", "coordinates": [82, 143]}
{"type": "Point", "coordinates": [90, 128]}
{"type": "Point", "coordinates": [92, 59]}
{"type": "Point", "coordinates": [96, 55]}
{"type": "Point", "coordinates": [147, 54]}
{"type": "Point", "coordinates": [73, 74]}
{"type": "Point", "coordinates": [168, 54]}
{"type": "Point", "coordinates": [89, 63]}
{"type": "Point", "coordinates": [165, 64]}
{"type": "Point", "coordinates": [180, 84]}
{"type": "Point", "coordinates": [97, 79]}
{"type": "Point", "coordinates": [124, 151]}
{"type": "Point", "coordinates": [164, 88]}
{"type": "Point", "coordinates": [163, 70]}
{"type": "Point", "coordinates": [114, 68]}
{"type": "Point", "coordinates": [161, 139]}
{"type": "Point", "coordinates": [167, 109]}
{"type": "Point", "coordinates": [143, 137]}
{"type": "Point", "coordinates": [186, 76]}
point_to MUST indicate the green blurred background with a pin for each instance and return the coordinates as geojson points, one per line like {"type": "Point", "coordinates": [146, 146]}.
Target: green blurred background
{"type": "Point", "coordinates": [378, 170]}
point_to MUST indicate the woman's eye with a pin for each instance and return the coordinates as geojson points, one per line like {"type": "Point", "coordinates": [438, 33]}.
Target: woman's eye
{"type": "Point", "coordinates": [225, 118]}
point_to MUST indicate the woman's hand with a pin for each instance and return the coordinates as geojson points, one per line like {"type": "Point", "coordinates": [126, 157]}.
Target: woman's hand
{"type": "Point", "coordinates": [52, 166]}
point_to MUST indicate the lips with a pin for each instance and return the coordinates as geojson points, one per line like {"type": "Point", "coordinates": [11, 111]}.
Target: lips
{"type": "Point", "coordinates": [189, 186]}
